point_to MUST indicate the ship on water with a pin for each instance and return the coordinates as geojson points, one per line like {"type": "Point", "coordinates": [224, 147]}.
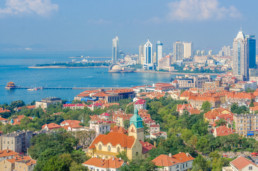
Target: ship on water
{"type": "Point", "coordinates": [10, 86]}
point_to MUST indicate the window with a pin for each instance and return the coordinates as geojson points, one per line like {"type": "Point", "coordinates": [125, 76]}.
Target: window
{"type": "Point", "coordinates": [250, 168]}
{"type": "Point", "coordinates": [109, 148]}
{"type": "Point", "coordinates": [118, 149]}
{"type": "Point", "coordinates": [136, 153]}
{"type": "Point", "coordinates": [100, 147]}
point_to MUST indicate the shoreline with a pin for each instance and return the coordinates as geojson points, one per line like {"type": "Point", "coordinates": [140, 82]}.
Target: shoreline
{"type": "Point", "coordinates": [141, 71]}
{"type": "Point", "coordinates": [57, 67]}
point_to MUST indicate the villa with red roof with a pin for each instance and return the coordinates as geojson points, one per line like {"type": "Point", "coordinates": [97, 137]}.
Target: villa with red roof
{"type": "Point", "coordinates": [51, 126]}
{"type": "Point", "coordinates": [71, 125]}
{"type": "Point", "coordinates": [178, 162]}
{"type": "Point", "coordinates": [187, 107]}
{"type": "Point", "coordinates": [222, 131]}
{"type": "Point", "coordinates": [217, 114]}
{"type": "Point", "coordinates": [3, 120]}
{"type": "Point", "coordinates": [104, 164]}
{"type": "Point", "coordinates": [241, 164]}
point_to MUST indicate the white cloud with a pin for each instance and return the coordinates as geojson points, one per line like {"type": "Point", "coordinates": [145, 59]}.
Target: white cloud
{"type": "Point", "coordinates": [39, 7]}
{"type": "Point", "coordinates": [200, 10]}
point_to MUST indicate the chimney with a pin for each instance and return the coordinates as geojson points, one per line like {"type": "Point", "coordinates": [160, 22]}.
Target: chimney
{"type": "Point", "coordinates": [170, 155]}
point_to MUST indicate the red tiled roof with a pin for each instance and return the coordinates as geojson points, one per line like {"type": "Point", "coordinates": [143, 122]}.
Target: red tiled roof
{"type": "Point", "coordinates": [114, 138]}
{"type": "Point", "coordinates": [3, 119]}
{"type": "Point", "coordinates": [223, 131]}
{"type": "Point", "coordinates": [51, 126]}
{"type": "Point", "coordinates": [5, 153]}
{"type": "Point", "coordinates": [71, 123]}
{"type": "Point", "coordinates": [215, 112]}
{"type": "Point", "coordinates": [4, 110]}
{"type": "Point", "coordinates": [110, 163]}
{"type": "Point", "coordinates": [164, 160]}
{"type": "Point", "coordinates": [241, 162]}
{"type": "Point", "coordinates": [146, 147]}
{"type": "Point", "coordinates": [140, 101]}
{"type": "Point", "coordinates": [118, 129]}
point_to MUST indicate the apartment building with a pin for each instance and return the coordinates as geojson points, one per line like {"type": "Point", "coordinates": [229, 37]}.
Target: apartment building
{"type": "Point", "coordinates": [16, 141]}
{"type": "Point", "coordinates": [246, 124]}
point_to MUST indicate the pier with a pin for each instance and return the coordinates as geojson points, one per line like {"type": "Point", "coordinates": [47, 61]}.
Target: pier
{"type": "Point", "coordinates": [71, 88]}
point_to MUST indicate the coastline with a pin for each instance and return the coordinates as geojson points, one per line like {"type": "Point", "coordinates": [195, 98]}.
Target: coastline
{"type": "Point", "coordinates": [57, 67]}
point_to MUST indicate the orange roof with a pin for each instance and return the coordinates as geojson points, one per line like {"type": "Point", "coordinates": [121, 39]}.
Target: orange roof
{"type": "Point", "coordinates": [118, 129]}
{"type": "Point", "coordinates": [28, 107]}
{"type": "Point", "coordinates": [165, 160]}
{"type": "Point", "coordinates": [100, 94]}
{"type": "Point", "coordinates": [183, 157]}
{"type": "Point", "coordinates": [146, 147]}
{"type": "Point", "coordinates": [102, 163]}
{"type": "Point", "coordinates": [114, 138]}
{"type": "Point", "coordinates": [194, 111]}
{"type": "Point", "coordinates": [125, 90]}
{"type": "Point", "coordinates": [215, 112]}
{"type": "Point", "coordinates": [4, 110]}
{"type": "Point", "coordinates": [255, 108]}
{"type": "Point", "coordinates": [3, 119]}
{"type": "Point", "coordinates": [223, 131]}
{"type": "Point", "coordinates": [240, 95]}
{"type": "Point", "coordinates": [26, 159]}
{"type": "Point", "coordinates": [241, 162]}
{"type": "Point", "coordinates": [71, 123]}
{"type": "Point", "coordinates": [5, 153]}
{"type": "Point", "coordinates": [51, 126]}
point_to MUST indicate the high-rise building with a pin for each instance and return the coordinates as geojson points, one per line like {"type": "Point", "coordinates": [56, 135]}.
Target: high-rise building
{"type": "Point", "coordinates": [159, 51]}
{"type": "Point", "coordinates": [188, 49]}
{"type": "Point", "coordinates": [225, 51]}
{"type": "Point", "coordinates": [148, 53]}
{"type": "Point", "coordinates": [178, 48]}
{"type": "Point", "coordinates": [141, 54]}
{"type": "Point", "coordinates": [241, 57]}
{"type": "Point", "coordinates": [251, 50]}
{"type": "Point", "coordinates": [115, 50]}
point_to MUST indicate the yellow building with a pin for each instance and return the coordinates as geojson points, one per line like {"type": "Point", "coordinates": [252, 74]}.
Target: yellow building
{"type": "Point", "coordinates": [110, 145]}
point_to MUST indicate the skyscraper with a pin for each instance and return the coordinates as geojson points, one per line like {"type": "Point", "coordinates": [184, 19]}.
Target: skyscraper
{"type": "Point", "coordinates": [159, 51]}
{"type": "Point", "coordinates": [178, 49]}
{"type": "Point", "coordinates": [115, 50]}
{"type": "Point", "coordinates": [148, 53]}
{"type": "Point", "coordinates": [141, 54]}
{"type": "Point", "coordinates": [240, 56]}
{"type": "Point", "coordinates": [188, 49]}
{"type": "Point", "coordinates": [251, 41]}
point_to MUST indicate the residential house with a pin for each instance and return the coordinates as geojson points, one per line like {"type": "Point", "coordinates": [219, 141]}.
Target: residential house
{"type": "Point", "coordinates": [178, 162]}
{"type": "Point", "coordinates": [98, 164]}
{"type": "Point", "coordinates": [241, 164]}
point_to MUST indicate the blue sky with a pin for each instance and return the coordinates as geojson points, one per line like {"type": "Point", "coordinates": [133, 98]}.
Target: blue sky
{"type": "Point", "coordinates": [89, 25]}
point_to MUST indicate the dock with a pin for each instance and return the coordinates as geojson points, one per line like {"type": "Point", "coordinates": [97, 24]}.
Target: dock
{"type": "Point", "coordinates": [71, 88]}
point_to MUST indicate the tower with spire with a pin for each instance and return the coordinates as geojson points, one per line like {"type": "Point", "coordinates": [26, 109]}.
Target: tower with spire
{"type": "Point", "coordinates": [136, 128]}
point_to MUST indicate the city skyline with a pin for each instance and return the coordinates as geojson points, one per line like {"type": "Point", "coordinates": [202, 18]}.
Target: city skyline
{"type": "Point", "coordinates": [57, 27]}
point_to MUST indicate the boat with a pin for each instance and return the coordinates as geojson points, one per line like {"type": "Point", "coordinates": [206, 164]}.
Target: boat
{"type": "Point", "coordinates": [33, 89]}
{"type": "Point", "coordinates": [10, 85]}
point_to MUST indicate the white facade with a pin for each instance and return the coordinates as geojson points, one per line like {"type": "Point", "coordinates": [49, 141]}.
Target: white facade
{"type": "Point", "coordinates": [240, 57]}
{"type": "Point", "coordinates": [115, 52]}
{"type": "Point", "coordinates": [159, 52]}
{"type": "Point", "coordinates": [100, 128]}
{"type": "Point", "coordinates": [188, 49]}
{"type": "Point", "coordinates": [178, 49]}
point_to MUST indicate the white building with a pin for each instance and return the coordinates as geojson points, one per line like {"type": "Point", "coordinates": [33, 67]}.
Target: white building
{"type": "Point", "coordinates": [115, 50]}
{"type": "Point", "coordinates": [100, 127]}
{"type": "Point", "coordinates": [44, 103]}
{"type": "Point", "coordinates": [148, 59]}
{"type": "Point", "coordinates": [178, 162]}
{"type": "Point", "coordinates": [240, 57]}
{"type": "Point", "coordinates": [241, 164]}
{"type": "Point", "coordinates": [178, 49]}
{"type": "Point", "coordinates": [159, 52]}
{"type": "Point", "coordinates": [188, 49]}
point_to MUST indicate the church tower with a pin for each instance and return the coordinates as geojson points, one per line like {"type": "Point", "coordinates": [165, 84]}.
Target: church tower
{"type": "Point", "coordinates": [136, 128]}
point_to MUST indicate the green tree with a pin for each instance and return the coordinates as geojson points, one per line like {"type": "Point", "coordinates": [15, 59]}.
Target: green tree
{"type": "Point", "coordinates": [200, 164]}
{"type": "Point", "coordinates": [206, 106]}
